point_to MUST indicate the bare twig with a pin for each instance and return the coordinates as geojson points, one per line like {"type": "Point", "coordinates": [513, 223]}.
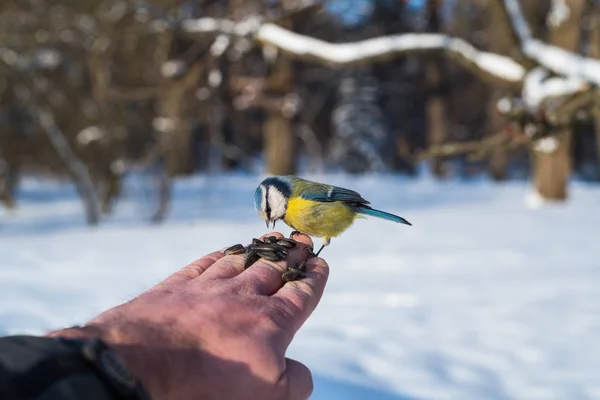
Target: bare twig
{"type": "Point", "coordinates": [78, 170]}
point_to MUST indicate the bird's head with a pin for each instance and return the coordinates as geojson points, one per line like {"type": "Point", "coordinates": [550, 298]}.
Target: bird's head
{"type": "Point", "coordinates": [271, 198]}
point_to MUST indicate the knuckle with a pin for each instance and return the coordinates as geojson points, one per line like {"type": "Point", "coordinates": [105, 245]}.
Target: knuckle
{"type": "Point", "coordinates": [300, 292]}
{"type": "Point", "coordinates": [278, 314]}
{"type": "Point", "coordinates": [276, 234]}
{"type": "Point", "coordinates": [277, 266]}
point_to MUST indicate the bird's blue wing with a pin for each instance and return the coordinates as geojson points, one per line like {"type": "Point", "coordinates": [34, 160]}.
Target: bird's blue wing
{"type": "Point", "coordinates": [327, 193]}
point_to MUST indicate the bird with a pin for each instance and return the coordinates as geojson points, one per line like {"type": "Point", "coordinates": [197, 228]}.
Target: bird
{"type": "Point", "coordinates": [312, 208]}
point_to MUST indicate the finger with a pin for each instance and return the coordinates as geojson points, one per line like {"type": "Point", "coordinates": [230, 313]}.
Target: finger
{"type": "Point", "coordinates": [190, 271]}
{"type": "Point", "coordinates": [264, 276]}
{"type": "Point", "coordinates": [303, 295]}
{"type": "Point", "coordinates": [299, 379]}
{"type": "Point", "coordinates": [231, 265]}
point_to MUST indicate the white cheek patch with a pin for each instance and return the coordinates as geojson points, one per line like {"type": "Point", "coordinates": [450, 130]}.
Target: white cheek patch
{"type": "Point", "coordinates": [278, 203]}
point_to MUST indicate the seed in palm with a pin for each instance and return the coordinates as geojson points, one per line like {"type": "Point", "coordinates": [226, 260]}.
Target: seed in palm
{"type": "Point", "coordinates": [235, 249]}
{"type": "Point", "coordinates": [264, 247]}
{"type": "Point", "coordinates": [292, 274]}
{"type": "Point", "coordinates": [251, 258]}
{"type": "Point", "coordinates": [287, 243]}
{"type": "Point", "coordinates": [267, 255]}
{"type": "Point", "coordinates": [270, 239]}
{"type": "Point", "coordinates": [301, 266]}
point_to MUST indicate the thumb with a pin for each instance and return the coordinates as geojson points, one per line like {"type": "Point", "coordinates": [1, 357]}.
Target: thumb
{"type": "Point", "coordinates": [300, 382]}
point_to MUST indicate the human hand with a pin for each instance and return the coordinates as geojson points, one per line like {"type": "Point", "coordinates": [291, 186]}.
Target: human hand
{"type": "Point", "coordinates": [215, 331]}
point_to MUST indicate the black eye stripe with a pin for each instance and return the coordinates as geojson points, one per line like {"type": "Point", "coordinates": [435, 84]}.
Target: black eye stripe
{"type": "Point", "coordinates": [267, 205]}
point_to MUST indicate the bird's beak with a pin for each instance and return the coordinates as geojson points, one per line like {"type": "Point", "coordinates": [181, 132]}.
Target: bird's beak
{"type": "Point", "coordinates": [268, 224]}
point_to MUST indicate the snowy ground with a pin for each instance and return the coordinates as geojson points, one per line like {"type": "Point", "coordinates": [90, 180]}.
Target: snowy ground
{"type": "Point", "coordinates": [482, 298]}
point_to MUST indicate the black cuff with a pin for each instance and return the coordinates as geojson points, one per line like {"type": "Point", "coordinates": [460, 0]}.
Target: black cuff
{"type": "Point", "coordinates": [59, 368]}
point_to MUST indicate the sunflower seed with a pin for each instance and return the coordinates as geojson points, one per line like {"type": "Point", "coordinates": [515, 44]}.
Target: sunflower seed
{"type": "Point", "coordinates": [291, 274]}
{"type": "Point", "coordinates": [267, 255]}
{"type": "Point", "coordinates": [265, 247]}
{"type": "Point", "coordinates": [280, 249]}
{"type": "Point", "coordinates": [257, 241]}
{"type": "Point", "coordinates": [251, 258]}
{"type": "Point", "coordinates": [235, 249]}
{"type": "Point", "coordinates": [289, 243]}
{"type": "Point", "coordinates": [301, 266]}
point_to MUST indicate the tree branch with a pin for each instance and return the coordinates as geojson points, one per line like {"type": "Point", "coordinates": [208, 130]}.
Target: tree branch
{"type": "Point", "coordinates": [367, 51]}
{"type": "Point", "coordinates": [553, 58]}
{"type": "Point", "coordinates": [78, 170]}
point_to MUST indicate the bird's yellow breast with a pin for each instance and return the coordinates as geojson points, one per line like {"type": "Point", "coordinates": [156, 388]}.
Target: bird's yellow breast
{"type": "Point", "coordinates": [321, 219]}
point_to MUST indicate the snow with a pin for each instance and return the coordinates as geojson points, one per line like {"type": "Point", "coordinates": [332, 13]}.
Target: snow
{"type": "Point", "coordinates": [211, 25]}
{"type": "Point", "coordinates": [563, 62]}
{"type": "Point", "coordinates": [337, 54]}
{"type": "Point", "coordinates": [538, 87]}
{"type": "Point", "coordinates": [518, 20]}
{"type": "Point", "coordinates": [553, 58]}
{"type": "Point", "coordinates": [483, 298]}
{"type": "Point", "coordinates": [347, 53]}
{"type": "Point", "coordinates": [559, 13]}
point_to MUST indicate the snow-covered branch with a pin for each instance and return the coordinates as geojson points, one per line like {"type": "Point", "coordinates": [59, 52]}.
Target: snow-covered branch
{"type": "Point", "coordinates": [361, 52]}
{"type": "Point", "coordinates": [539, 87]}
{"type": "Point", "coordinates": [364, 51]}
{"type": "Point", "coordinates": [563, 62]}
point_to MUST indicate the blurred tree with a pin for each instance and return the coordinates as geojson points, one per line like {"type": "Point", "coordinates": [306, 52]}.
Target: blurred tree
{"type": "Point", "coordinates": [90, 90]}
{"type": "Point", "coordinates": [552, 157]}
{"type": "Point", "coordinates": [359, 129]}
{"type": "Point", "coordinates": [436, 87]}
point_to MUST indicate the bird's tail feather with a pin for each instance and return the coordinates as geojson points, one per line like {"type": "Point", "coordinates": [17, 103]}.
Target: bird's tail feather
{"type": "Point", "coordinates": [382, 214]}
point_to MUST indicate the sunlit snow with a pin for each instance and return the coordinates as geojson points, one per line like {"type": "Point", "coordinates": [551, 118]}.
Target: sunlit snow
{"type": "Point", "coordinates": [483, 298]}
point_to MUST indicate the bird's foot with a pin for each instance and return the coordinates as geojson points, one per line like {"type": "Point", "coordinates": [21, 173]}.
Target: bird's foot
{"type": "Point", "coordinates": [318, 252]}
{"type": "Point", "coordinates": [294, 232]}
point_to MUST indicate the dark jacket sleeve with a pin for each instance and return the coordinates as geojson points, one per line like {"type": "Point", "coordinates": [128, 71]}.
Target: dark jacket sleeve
{"type": "Point", "coordinates": [43, 368]}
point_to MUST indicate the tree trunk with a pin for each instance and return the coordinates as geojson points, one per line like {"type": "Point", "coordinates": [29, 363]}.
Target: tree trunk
{"type": "Point", "coordinates": [437, 122]}
{"type": "Point", "coordinates": [503, 41]}
{"type": "Point", "coordinates": [552, 161]}
{"type": "Point", "coordinates": [552, 165]}
{"type": "Point", "coordinates": [8, 183]}
{"type": "Point", "coordinates": [279, 138]}
{"type": "Point", "coordinates": [279, 144]}
{"type": "Point", "coordinates": [593, 45]}
{"type": "Point", "coordinates": [435, 110]}
{"type": "Point", "coordinates": [174, 132]}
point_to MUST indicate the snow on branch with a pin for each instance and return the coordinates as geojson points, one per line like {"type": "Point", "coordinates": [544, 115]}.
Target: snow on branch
{"type": "Point", "coordinates": [517, 19]}
{"type": "Point", "coordinates": [563, 62]}
{"type": "Point", "coordinates": [538, 87]}
{"type": "Point", "coordinates": [364, 51]}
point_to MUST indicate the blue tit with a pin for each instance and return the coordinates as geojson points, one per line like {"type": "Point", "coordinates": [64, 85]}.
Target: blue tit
{"type": "Point", "coordinates": [313, 208]}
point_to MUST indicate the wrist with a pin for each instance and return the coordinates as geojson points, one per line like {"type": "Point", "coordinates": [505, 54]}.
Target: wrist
{"type": "Point", "coordinates": [131, 356]}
